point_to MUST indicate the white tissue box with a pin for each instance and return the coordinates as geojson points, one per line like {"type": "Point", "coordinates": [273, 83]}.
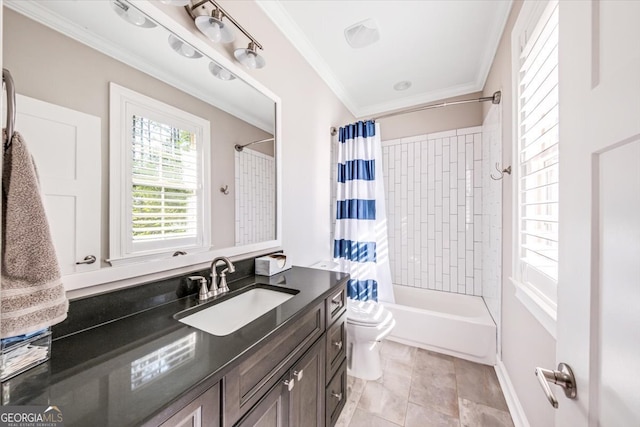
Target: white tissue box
{"type": "Point", "coordinates": [272, 264]}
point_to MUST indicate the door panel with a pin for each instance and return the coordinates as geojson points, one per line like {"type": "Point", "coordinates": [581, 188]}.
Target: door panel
{"type": "Point", "coordinates": [271, 411]}
{"type": "Point", "coordinates": [599, 280]}
{"type": "Point", "coordinates": [618, 365]}
{"type": "Point", "coordinates": [65, 145]}
{"type": "Point", "coordinates": [306, 407]}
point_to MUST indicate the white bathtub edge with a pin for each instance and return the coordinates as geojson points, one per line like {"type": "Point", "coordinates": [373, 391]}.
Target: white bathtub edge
{"type": "Point", "coordinates": [515, 408]}
{"type": "Point", "coordinates": [483, 360]}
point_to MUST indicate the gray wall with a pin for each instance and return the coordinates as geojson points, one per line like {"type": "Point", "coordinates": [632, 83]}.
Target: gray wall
{"type": "Point", "coordinates": [525, 342]}
{"type": "Point", "coordinates": [433, 120]}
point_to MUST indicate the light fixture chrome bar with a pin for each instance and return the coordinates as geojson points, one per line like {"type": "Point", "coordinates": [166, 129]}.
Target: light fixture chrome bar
{"type": "Point", "coordinates": [197, 4]}
{"type": "Point", "coordinates": [239, 147]}
{"type": "Point", "coordinates": [495, 99]}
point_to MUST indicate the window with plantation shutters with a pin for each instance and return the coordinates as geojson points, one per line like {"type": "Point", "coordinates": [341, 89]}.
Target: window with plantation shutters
{"type": "Point", "coordinates": [535, 68]}
{"type": "Point", "coordinates": [164, 181]}
{"type": "Point", "coordinates": [538, 138]}
{"type": "Point", "coordinates": [160, 160]}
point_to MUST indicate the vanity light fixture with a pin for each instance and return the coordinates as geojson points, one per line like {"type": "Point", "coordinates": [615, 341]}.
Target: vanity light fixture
{"type": "Point", "coordinates": [211, 20]}
{"type": "Point", "coordinates": [131, 15]}
{"type": "Point", "coordinates": [183, 48]}
{"type": "Point", "coordinates": [221, 73]}
{"type": "Point", "coordinates": [213, 27]}
{"type": "Point", "coordinates": [249, 57]}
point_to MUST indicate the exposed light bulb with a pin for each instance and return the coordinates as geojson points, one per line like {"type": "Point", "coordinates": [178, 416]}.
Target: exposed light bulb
{"type": "Point", "coordinates": [214, 32]}
{"type": "Point", "coordinates": [220, 72]}
{"type": "Point", "coordinates": [186, 50]}
{"type": "Point", "coordinates": [224, 74]}
{"type": "Point", "coordinates": [135, 17]}
{"type": "Point", "coordinates": [250, 61]}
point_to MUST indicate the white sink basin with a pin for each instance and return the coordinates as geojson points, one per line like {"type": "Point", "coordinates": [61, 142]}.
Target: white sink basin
{"type": "Point", "coordinates": [232, 314]}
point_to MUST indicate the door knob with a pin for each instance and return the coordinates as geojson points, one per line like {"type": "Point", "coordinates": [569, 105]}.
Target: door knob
{"type": "Point", "coordinates": [562, 377]}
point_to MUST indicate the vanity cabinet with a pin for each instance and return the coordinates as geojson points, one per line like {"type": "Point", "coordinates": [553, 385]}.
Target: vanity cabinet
{"type": "Point", "coordinates": [297, 398]}
{"type": "Point", "coordinates": [204, 411]}
{"type": "Point", "coordinates": [336, 356]}
{"type": "Point", "coordinates": [295, 378]}
{"type": "Point", "coordinates": [336, 338]}
{"type": "Point", "coordinates": [269, 364]}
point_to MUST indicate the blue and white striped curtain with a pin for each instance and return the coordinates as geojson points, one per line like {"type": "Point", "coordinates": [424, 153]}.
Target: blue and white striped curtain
{"type": "Point", "coordinates": [360, 239]}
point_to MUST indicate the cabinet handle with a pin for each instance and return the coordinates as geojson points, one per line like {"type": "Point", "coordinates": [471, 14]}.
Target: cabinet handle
{"type": "Point", "coordinates": [336, 303]}
{"type": "Point", "coordinates": [298, 374]}
{"type": "Point", "coordinates": [289, 384]}
{"type": "Point", "coordinates": [337, 396]}
{"type": "Point", "coordinates": [89, 259]}
{"type": "Point", "coordinates": [338, 344]}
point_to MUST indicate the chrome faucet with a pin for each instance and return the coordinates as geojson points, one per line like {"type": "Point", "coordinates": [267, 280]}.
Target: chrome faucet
{"type": "Point", "coordinates": [221, 286]}
{"type": "Point", "coordinates": [204, 293]}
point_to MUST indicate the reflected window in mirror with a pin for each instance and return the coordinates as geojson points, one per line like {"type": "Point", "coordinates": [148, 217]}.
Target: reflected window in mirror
{"type": "Point", "coordinates": [160, 165]}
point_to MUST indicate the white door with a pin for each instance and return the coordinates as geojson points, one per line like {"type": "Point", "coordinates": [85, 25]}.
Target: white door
{"type": "Point", "coordinates": [65, 145]}
{"type": "Point", "coordinates": [598, 325]}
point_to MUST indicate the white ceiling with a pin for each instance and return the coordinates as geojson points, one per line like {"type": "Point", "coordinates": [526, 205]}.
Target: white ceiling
{"type": "Point", "coordinates": [444, 47]}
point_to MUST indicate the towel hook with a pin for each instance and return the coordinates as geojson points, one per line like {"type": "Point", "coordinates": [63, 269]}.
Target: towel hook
{"type": "Point", "coordinates": [224, 190]}
{"type": "Point", "coordinates": [11, 105]}
{"type": "Point", "coordinates": [506, 170]}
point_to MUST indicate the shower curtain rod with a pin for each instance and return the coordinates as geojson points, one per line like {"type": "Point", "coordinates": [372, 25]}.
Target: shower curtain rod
{"type": "Point", "coordinates": [495, 99]}
{"type": "Point", "coordinates": [239, 147]}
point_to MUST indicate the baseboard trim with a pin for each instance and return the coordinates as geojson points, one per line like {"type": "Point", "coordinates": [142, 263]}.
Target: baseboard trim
{"type": "Point", "coordinates": [515, 408]}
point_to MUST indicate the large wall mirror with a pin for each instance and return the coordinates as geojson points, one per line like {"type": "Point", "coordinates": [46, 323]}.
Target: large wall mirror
{"type": "Point", "coordinates": [65, 58]}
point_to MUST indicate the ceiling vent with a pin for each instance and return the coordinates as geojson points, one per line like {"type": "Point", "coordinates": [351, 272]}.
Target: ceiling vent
{"type": "Point", "coordinates": [362, 34]}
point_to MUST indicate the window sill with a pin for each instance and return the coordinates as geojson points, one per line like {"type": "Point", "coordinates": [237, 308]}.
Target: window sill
{"type": "Point", "coordinates": [540, 306]}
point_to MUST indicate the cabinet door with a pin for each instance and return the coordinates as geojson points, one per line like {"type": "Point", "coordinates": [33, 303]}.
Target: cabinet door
{"type": "Point", "coordinates": [202, 412]}
{"type": "Point", "coordinates": [272, 410]}
{"type": "Point", "coordinates": [307, 402]}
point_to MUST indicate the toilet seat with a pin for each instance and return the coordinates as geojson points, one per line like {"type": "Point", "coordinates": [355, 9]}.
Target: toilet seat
{"type": "Point", "coordinates": [367, 313]}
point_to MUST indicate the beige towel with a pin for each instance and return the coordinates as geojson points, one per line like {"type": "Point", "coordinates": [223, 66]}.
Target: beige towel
{"type": "Point", "coordinates": [32, 295]}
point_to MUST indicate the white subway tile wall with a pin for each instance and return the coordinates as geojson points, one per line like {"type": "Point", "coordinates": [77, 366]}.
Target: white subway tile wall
{"type": "Point", "coordinates": [492, 212]}
{"type": "Point", "coordinates": [435, 211]}
{"type": "Point", "coordinates": [255, 197]}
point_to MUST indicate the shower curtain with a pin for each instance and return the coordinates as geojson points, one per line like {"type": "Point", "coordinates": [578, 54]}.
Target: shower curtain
{"type": "Point", "coordinates": [360, 239]}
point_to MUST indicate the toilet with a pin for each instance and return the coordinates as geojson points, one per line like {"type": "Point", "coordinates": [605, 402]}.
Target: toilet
{"type": "Point", "coordinates": [368, 323]}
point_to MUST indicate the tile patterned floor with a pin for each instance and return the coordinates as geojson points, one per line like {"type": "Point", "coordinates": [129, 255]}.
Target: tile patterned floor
{"type": "Point", "coordinates": [420, 388]}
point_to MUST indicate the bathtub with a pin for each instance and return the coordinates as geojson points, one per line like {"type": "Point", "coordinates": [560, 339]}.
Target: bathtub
{"type": "Point", "coordinates": [454, 324]}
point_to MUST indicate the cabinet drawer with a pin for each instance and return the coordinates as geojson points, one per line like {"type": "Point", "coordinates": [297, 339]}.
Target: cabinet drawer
{"type": "Point", "coordinates": [250, 380]}
{"type": "Point", "coordinates": [336, 345]}
{"type": "Point", "coordinates": [336, 395]}
{"type": "Point", "coordinates": [336, 304]}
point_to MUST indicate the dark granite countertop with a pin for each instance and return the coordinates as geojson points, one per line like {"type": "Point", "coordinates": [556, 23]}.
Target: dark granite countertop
{"type": "Point", "coordinates": [124, 372]}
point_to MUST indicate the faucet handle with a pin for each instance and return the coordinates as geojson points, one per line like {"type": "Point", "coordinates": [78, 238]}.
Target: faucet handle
{"type": "Point", "coordinates": [204, 292]}
{"type": "Point", "coordinates": [222, 287]}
